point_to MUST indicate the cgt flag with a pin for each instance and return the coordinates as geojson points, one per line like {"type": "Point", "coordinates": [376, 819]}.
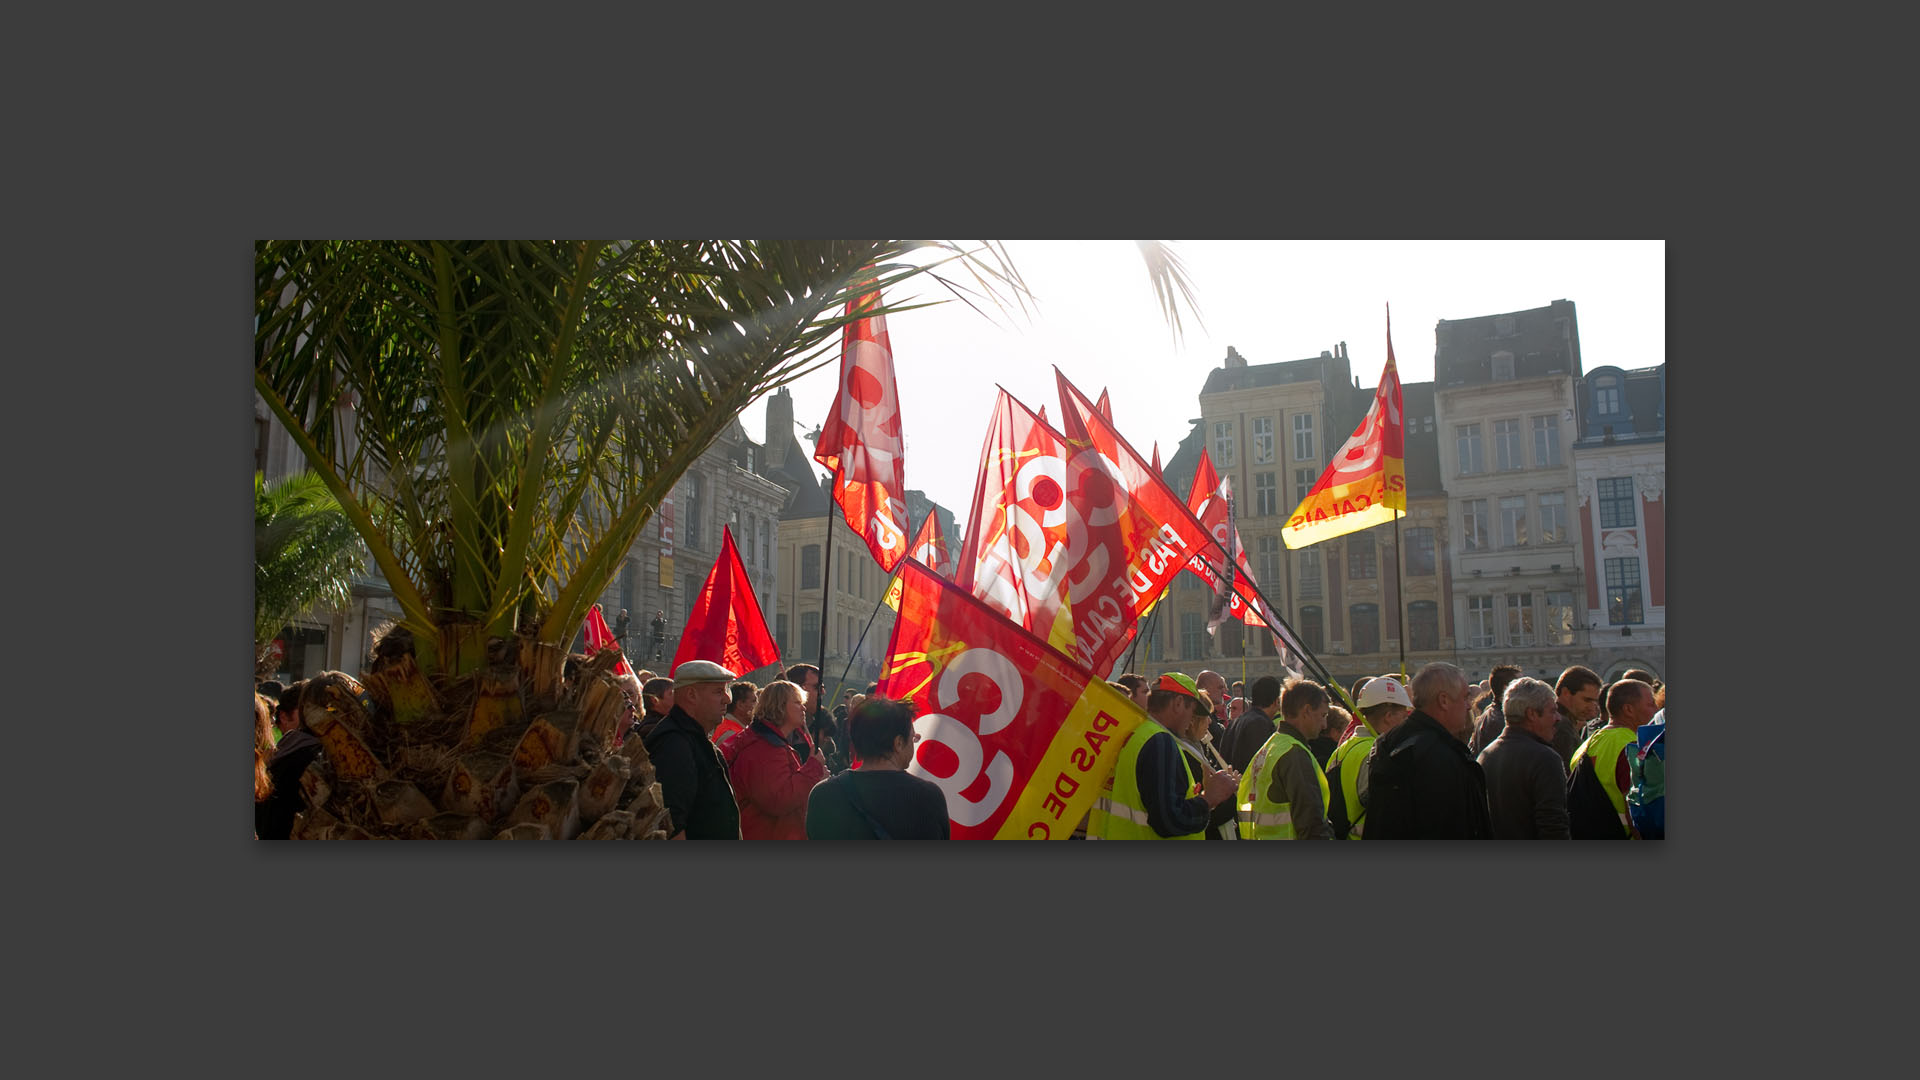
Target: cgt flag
{"type": "Point", "coordinates": [930, 547]}
{"type": "Point", "coordinates": [1019, 738]}
{"type": "Point", "coordinates": [725, 625]}
{"type": "Point", "coordinates": [861, 439]}
{"type": "Point", "coordinates": [600, 636]}
{"type": "Point", "coordinates": [1367, 480]}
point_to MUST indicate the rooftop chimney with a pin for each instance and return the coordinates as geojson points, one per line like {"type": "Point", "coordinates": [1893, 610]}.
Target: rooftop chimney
{"type": "Point", "coordinates": [1234, 359]}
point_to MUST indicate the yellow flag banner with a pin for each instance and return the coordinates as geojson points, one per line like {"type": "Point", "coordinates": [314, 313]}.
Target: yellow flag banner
{"type": "Point", "coordinates": [1019, 738]}
{"type": "Point", "coordinates": [1366, 482]}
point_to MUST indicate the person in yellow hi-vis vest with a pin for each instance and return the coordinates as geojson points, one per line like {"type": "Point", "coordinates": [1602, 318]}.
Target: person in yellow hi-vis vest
{"type": "Point", "coordinates": [1153, 794]}
{"type": "Point", "coordinates": [1284, 794]}
{"type": "Point", "coordinates": [1600, 768]}
{"type": "Point", "coordinates": [1383, 704]}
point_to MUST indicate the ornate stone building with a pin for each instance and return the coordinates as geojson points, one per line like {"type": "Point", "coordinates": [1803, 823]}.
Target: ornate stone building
{"type": "Point", "coordinates": [1621, 472]}
{"type": "Point", "coordinates": [1505, 413]}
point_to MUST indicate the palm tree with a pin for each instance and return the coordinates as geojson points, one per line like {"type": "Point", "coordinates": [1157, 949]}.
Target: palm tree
{"type": "Point", "coordinates": [305, 554]}
{"type": "Point", "coordinates": [498, 421]}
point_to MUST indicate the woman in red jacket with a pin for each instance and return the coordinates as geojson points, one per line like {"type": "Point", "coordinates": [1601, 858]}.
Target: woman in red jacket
{"type": "Point", "coordinates": [771, 775]}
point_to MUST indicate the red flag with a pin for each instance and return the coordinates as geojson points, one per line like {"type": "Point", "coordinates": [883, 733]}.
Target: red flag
{"type": "Point", "coordinates": [725, 625]}
{"type": "Point", "coordinates": [930, 546]}
{"type": "Point", "coordinates": [1157, 470]}
{"type": "Point", "coordinates": [1106, 407]}
{"type": "Point", "coordinates": [1135, 533]}
{"type": "Point", "coordinates": [1019, 739]}
{"type": "Point", "coordinates": [600, 636]}
{"type": "Point", "coordinates": [861, 440]}
{"type": "Point", "coordinates": [1208, 500]}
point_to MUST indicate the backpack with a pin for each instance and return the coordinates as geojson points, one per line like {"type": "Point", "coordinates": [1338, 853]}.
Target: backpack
{"type": "Point", "coordinates": [1590, 814]}
{"type": "Point", "coordinates": [1647, 799]}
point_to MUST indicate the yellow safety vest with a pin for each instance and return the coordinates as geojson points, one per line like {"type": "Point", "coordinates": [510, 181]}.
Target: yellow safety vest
{"type": "Point", "coordinates": [1259, 817]}
{"type": "Point", "coordinates": [1605, 747]}
{"type": "Point", "coordinates": [1120, 813]}
{"type": "Point", "coordinates": [1350, 757]}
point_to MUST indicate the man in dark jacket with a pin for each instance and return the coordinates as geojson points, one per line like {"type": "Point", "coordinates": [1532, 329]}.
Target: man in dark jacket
{"type": "Point", "coordinates": [1578, 692]}
{"type": "Point", "coordinates": [692, 775]}
{"type": "Point", "coordinates": [1423, 783]}
{"type": "Point", "coordinates": [1251, 729]}
{"type": "Point", "coordinates": [1526, 782]}
{"type": "Point", "coordinates": [1493, 719]}
{"type": "Point", "coordinates": [273, 816]}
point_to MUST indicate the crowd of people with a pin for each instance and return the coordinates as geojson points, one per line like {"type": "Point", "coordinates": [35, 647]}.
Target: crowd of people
{"type": "Point", "coordinates": [1431, 757]}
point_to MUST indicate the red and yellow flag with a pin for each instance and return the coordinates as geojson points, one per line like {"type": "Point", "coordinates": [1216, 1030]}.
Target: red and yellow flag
{"type": "Point", "coordinates": [930, 547]}
{"type": "Point", "coordinates": [861, 439]}
{"type": "Point", "coordinates": [1138, 533]}
{"type": "Point", "coordinates": [600, 636]}
{"type": "Point", "coordinates": [1018, 737]}
{"type": "Point", "coordinates": [1366, 483]}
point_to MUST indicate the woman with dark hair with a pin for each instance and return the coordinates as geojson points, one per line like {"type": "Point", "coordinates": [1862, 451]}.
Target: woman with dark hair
{"type": "Point", "coordinates": [880, 800]}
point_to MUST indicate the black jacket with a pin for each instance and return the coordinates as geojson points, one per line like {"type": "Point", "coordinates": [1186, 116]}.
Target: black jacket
{"type": "Point", "coordinates": [273, 816]}
{"type": "Point", "coordinates": [1423, 784]}
{"type": "Point", "coordinates": [693, 779]}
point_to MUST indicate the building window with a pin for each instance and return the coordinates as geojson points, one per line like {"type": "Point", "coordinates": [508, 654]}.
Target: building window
{"type": "Point", "coordinates": [1269, 549]}
{"type": "Point", "coordinates": [1191, 636]}
{"type": "Point", "coordinates": [1606, 396]}
{"type": "Point", "coordinates": [1233, 641]}
{"type": "Point", "coordinates": [690, 524]}
{"type": "Point", "coordinates": [1310, 629]}
{"type": "Point", "coordinates": [1467, 440]}
{"type": "Point", "coordinates": [1303, 437]}
{"type": "Point", "coordinates": [1302, 483]}
{"type": "Point", "coordinates": [1262, 440]}
{"type": "Point", "coordinates": [1623, 591]}
{"type": "Point", "coordinates": [810, 566]}
{"type": "Point", "coordinates": [809, 634]}
{"type": "Point", "coordinates": [1360, 560]}
{"type": "Point", "coordinates": [1480, 622]}
{"type": "Point", "coordinates": [1420, 553]}
{"type": "Point", "coordinates": [1157, 639]}
{"type": "Point", "coordinates": [1519, 619]}
{"type": "Point", "coordinates": [1310, 573]}
{"type": "Point", "coordinates": [1546, 440]}
{"type": "Point", "coordinates": [1513, 521]}
{"type": "Point", "coordinates": [766, 546]}
{"type": "Point", "coordinates": [1191, 581]}
{"type": "Point", "coordinates": [1616, 503]}
{"type": "Point", "coordinates": [1473, 525]}
{"type": "Point", "coordinates": [1426, 424]}
{"type": "Point", "coordinates": [1503, 367]}
{"type": "Point", "coordinates": [1366, 627]}
{"type": "Point", "coordinates": [1266, 498]}
{"type": "Point", "coordinates": [1223, 444]}
{"type": "Point", "coordinates": [1553, 518]}
{"type": "Point", "coordinates": [1559, 619]}
{"type": "Point", "coordinates": [1506, 445]}
{"type": "Point", "coordinates": [780, 631]}
{"type": "Point", "coordinates": [1423, 626]}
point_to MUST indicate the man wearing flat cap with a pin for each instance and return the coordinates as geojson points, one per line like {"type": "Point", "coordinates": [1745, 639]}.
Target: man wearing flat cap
{"type": "Point", "coordinates": [1153, 793]}
{"type": "Point", "coordinates": [692, 774]}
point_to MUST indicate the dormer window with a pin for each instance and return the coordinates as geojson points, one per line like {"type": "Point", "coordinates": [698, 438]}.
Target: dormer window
{"type": "Point", "coordinates": [1606, 396]}
{"type": "Point", "coordinates": [1502, 367]}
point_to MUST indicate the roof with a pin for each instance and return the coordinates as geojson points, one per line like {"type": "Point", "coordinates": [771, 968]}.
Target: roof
{"type": "Point", "coordinates": [1323, 368]}
{"type": "Point", "coordinates": [1543, 341]}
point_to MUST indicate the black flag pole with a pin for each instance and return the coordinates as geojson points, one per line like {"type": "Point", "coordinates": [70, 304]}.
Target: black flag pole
{"type": "Point", "coordinates": [1399, 597]}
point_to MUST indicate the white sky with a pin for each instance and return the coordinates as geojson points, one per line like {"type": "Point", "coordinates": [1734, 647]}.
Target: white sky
{"type": "Point", "coordinates": [1095, 316]}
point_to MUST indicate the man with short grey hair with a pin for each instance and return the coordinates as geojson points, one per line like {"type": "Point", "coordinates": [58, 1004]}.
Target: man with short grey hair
{"type": "Point", "coordinates": [1526, 781]}
{"type": "Point", "coordinates": [1423, 783]}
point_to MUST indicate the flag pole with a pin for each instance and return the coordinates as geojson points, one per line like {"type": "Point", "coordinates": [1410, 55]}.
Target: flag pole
{"type": "Point", "coordinates": [826, 603]}
{"type": "Point", "coordinates": [864, 629]}
{"type": "Point", "coordinates": [1399, 596]}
